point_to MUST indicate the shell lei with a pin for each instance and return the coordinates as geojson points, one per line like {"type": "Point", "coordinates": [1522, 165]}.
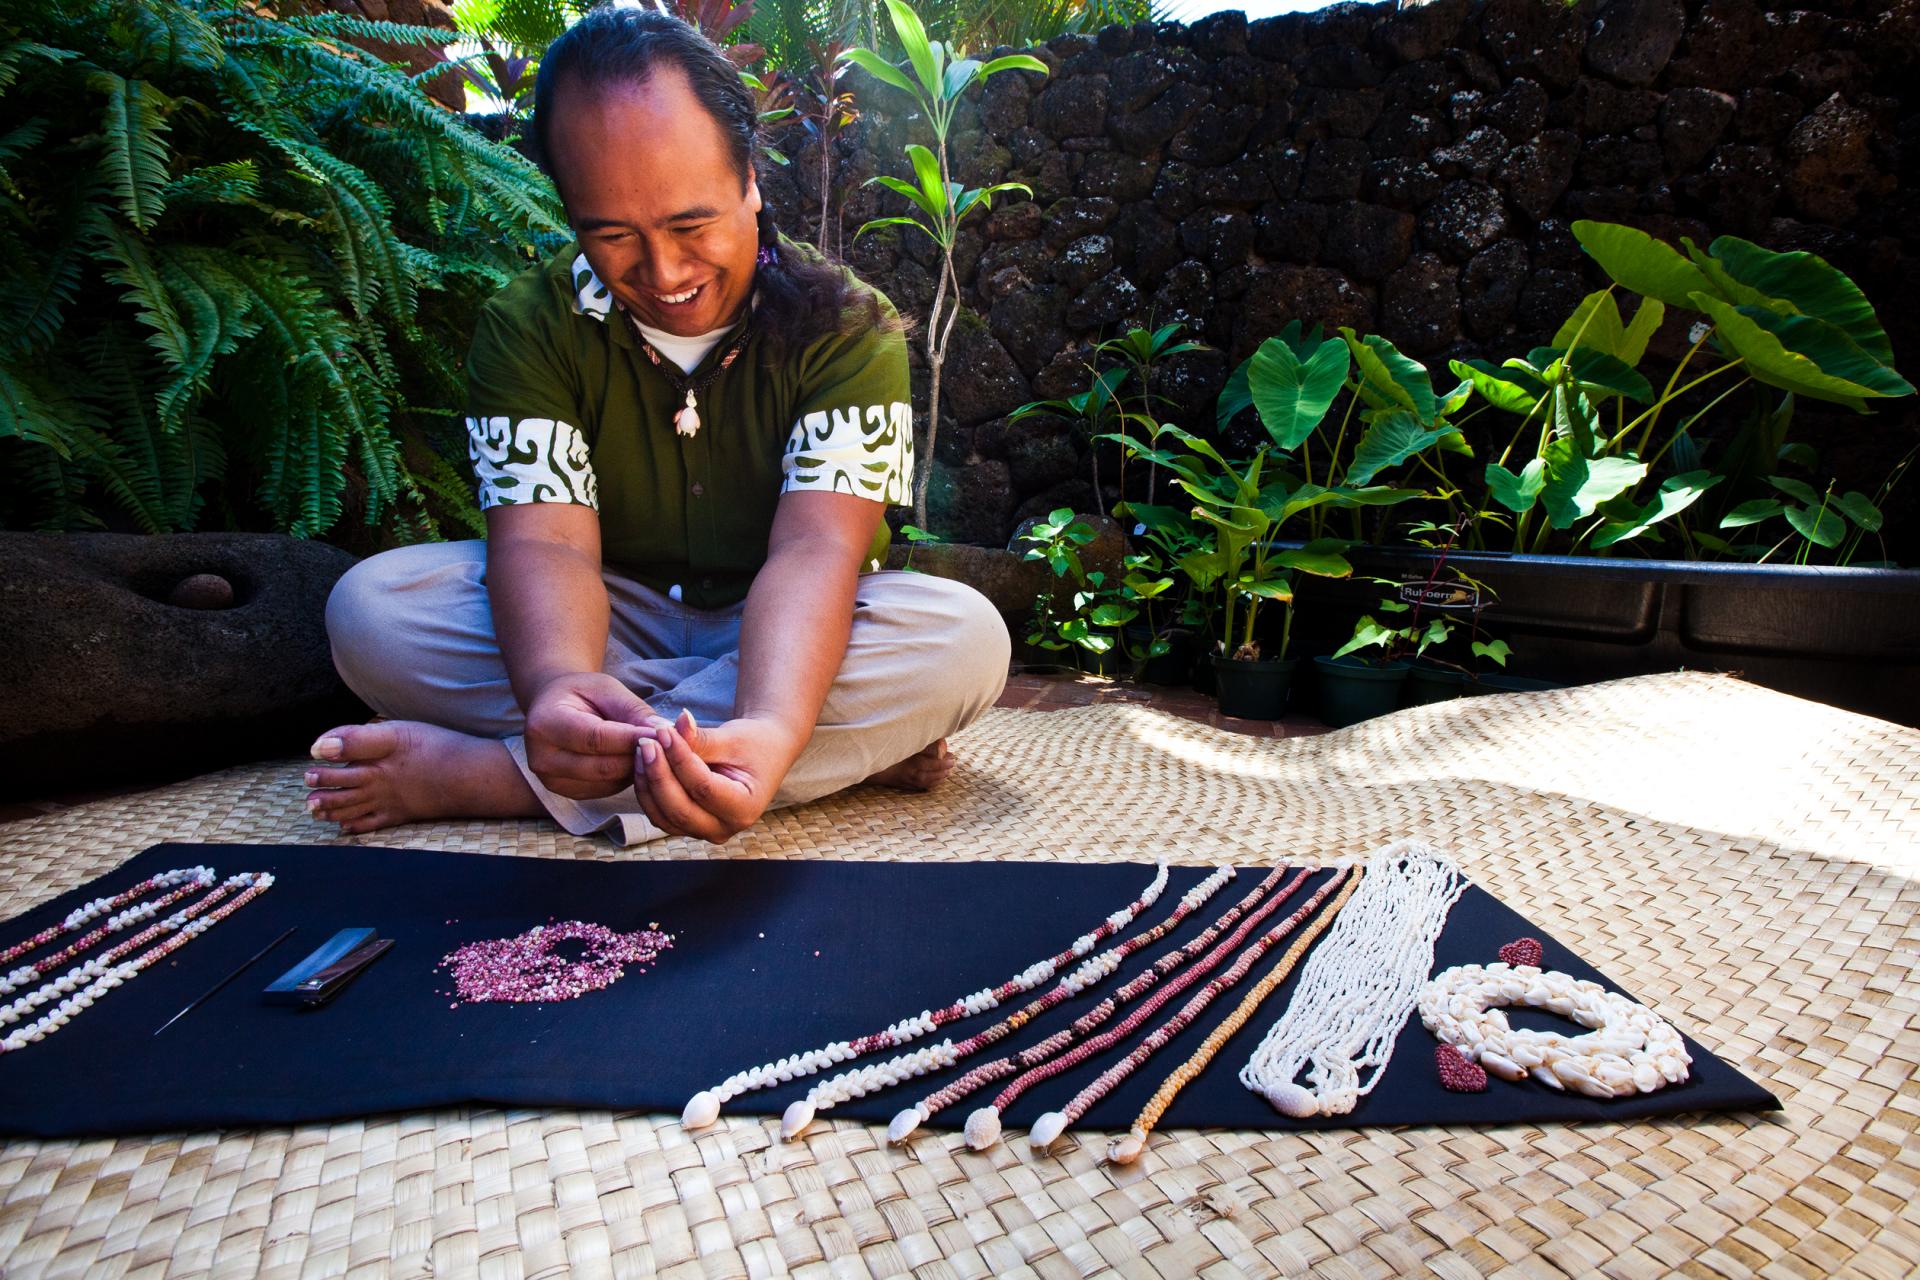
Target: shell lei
{"type": "Point", "coordinates": [1127, 1148]}
{"type": "Point", "coordinates": [189, 880]}
{"type": "Point", "coordinates": [918, 1114]}
{"type": "Point", "coordinates": [862, 1081]}
{"type": "Point", "coordinates": [704, 1107]}
{"type": "Point", "coordinates": [86, 983]}
{"type": "Point", "coordinates": [1050, 1126]}
{"type": "Point", "coordinates": [1360, 987]}
{"type": "Point", "coordinates": [1631, 1049]}
{"type": "Point", "coordinates": [1051, 1056]}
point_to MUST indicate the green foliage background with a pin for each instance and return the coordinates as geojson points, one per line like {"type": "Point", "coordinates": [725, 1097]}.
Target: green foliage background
{"type": "Point", "coordinates": [244, 261]}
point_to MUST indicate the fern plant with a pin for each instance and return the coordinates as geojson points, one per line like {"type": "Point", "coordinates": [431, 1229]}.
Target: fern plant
{"type": "Point", "coordinates": [245, 260]}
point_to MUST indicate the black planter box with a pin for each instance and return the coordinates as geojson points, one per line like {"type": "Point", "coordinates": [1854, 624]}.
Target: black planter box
{"type": "Point", "coordinates": [1848, 637]}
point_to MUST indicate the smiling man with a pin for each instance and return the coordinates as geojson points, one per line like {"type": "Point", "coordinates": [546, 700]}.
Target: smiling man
{"type": "Point", "coordinates": [685, 429]}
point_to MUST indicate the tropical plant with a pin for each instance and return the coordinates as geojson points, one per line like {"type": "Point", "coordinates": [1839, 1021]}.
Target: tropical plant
{"type": "Point", "coordinates": [1092, 410]}
{"type": "Point", "coordinates": [1139, 351]}
{"type": "Point", "coordinates": [1786, 321]}
{"type": "Point", "coordinates": [244, 258]}
{"type": "Point", "coordinates": [941, 75]}
{"type": "Point", "coordinates": [1088, 611]}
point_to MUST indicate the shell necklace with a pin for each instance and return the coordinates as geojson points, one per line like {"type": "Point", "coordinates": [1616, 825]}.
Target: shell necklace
{"type": "Point", "coordinates": [862, 1081]}
{"type": "Point", "coordinates": [704, 1107]}
{"type": "Point", "coordinates": [1049, 1126]}
{"type": "Point", "coordinates": [686, 421]}
{"type": "Point", "coordinates": [1127, 1149]}
{"type": "Point", "coordinates": [188, 879]}
{"type": "Point", "coordinates": [1360, 986]}
{"type": "Point", "coordinates": [1040, 1061]}
{"type": "Point", "coordinates": [85, 983]}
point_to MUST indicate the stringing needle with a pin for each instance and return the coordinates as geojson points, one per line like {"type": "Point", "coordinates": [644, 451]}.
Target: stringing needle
{"type": "Point", "coordinates": [211, 991]}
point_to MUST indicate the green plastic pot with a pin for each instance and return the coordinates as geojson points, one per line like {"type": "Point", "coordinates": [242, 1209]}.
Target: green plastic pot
{"type": "Point", "coordinates": [1430, 682]}
{"type": "Point", "coordinates": [1352, 690]}
{"type": "Point", "coordinates": [1253, 690]}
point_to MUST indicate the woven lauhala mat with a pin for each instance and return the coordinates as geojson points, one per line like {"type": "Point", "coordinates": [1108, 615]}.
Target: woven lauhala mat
{"type": "Point", "coordinates": [769, 959]}
{"type": "Point", "coordinates": [1742, 861]}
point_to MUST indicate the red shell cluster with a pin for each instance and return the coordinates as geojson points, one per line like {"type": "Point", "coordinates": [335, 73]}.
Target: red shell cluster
{"type": "Point", "coordinates": [1524, 951]}
{"type": "Point", "coordinates": [1457, 1075]}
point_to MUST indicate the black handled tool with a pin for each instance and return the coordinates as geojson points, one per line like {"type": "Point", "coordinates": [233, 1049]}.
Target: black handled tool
{"type": "Point", "coordinates": [224, 981]}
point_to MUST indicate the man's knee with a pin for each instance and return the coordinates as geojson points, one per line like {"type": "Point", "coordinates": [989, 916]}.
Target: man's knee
{"type": "Point", "coordinates": [959, 638]}
{"type": "Point", "coordinates": [373, 609]}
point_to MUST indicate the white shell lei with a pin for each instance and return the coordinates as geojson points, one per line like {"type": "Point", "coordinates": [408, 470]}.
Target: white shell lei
{"type": "Point", "coordinates": [861, 1081]}
{"type": "Point", "coordinates": [86, 983]}
{"type": "Point", "coordinates": [1631, 1049]}
{"type": "Point", "coordinates": [704, 1107]}
{"type": "Point", "coordinates": [86, 913]}
{"type": "Point", "coordinates": [1359, 986]}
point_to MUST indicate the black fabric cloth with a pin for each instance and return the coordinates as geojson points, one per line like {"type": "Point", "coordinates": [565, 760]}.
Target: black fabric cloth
{"type": "Point", "coordinates": [770, 958]}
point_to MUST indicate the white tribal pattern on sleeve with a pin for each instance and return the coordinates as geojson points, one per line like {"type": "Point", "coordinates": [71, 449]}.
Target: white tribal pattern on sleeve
{"type": "Point", "coordinates": [531, 460]}
{"type": "Point", "coordinates": [867, 452]}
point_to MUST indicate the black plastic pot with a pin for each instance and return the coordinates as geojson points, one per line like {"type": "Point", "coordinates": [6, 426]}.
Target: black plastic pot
{"type": "Point", "coordinates": [1501, 682]}
{"type": "Point", "coordinates": [1253, 690]}
{"type": "Point", "coordinates": [1430, 682]}
{"type": "Point", "coordinates": [1352, 690]}
{"type": "Point", "coordinates": [1099, 664]}
{"type": "Point", "coordinates": [1175, 666]}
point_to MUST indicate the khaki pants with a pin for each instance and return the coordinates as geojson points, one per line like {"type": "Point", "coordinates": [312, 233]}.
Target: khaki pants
{"type": "Point", "coordinates": [413, 636]}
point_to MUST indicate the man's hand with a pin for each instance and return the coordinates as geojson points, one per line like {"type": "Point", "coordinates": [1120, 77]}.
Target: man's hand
{"type": "Point", "coordinates": [581, 733]}
{"type": "Point", "coordinates": [710, 782]}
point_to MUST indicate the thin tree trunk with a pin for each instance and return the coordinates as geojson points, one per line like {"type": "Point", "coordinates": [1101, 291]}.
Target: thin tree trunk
{"type": "Point", "coordinates": [826, 187]}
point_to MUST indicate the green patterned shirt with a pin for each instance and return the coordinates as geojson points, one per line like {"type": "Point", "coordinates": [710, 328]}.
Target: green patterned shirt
{"type": "Point", "coordinates": [564, 406]}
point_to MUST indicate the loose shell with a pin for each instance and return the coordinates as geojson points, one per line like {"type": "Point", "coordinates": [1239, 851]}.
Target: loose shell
{"type": "Point", "coordinates": [795, 1121]}
{"type": "Point", "coordinates": [702, 1110]}
{"type": "Point", "coordinates": [1046, 1129]}
{"type": "Point", "coordinates": [1127, 1148]}
{"type": "Point", "coordinates": [983, 1128]}
{"type": "Point", "coordinates": [904, 1125]}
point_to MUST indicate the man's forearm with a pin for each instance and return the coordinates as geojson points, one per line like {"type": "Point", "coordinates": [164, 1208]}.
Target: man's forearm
{"type": "Point", "coordinates": [550, 611]}
{"type": "Point", "coordinates": [793, 637]}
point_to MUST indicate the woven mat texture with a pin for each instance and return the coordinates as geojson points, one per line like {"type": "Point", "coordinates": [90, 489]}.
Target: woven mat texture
{"type": "Point", "coordinates": [1743, 861]}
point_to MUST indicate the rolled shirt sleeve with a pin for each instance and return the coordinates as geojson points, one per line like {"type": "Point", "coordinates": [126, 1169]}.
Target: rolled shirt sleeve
{"type": "Point", "coordinates": [522, 432]}
{"type": "Point", "coordinates": [853, 430]}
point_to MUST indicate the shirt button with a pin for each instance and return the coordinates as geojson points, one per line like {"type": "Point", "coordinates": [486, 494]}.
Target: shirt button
{"type": "Point", "coordinates": [706, 584]}
{"type": "Point", "coordinates": [698, 489]}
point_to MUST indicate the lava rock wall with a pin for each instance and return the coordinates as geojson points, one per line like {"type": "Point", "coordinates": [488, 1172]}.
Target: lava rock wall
{"type": "Point", "coordinates": [1411, 172]}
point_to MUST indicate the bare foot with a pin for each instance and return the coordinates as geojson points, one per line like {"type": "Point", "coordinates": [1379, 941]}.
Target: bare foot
{"type": "Point", "coordinates": [922, 771]}
{"type": "Point", "coordinates": [380, 775]}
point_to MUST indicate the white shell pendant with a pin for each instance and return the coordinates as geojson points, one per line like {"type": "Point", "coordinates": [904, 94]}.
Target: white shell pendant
{"type": "Point", "coordinates": [687, 421]}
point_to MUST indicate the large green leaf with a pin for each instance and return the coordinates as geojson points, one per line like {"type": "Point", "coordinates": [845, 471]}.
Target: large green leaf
{"type": "Point", "coordinates": [913, 38]}
{"type": "Point", "coordinates": [1235, 396]}
{"type": "Point", "coordinates": [1514, 390]}
{"type": "Point", "coordinates": [1599, 371]}
{"type": "Point", "coordinates": [926, 170]}
{"type": "Point", "coordinates": [1388, 443]}
{"type": "Point", "coordinates": [1677, 493]}
{"type": "Point", "coordinates": [1596, 324]}
{"type": "Point", "coordinates": [1577, 484]}
{"type": "Point", "coordinates": [1812, 285]}
{"type": "Point", "coordinates": [1859, 508]}
{"type": "Point", "coordinates": [1323, 557]}
{"type": "Point", "coordinates": [1752, 511]}
{"type": "Point", "coordinates": [1821, 525]}
{"type": "Point", "coordinates": [1517, 493]}
{"type": "Point", "coordinates": [1292, 396]}
{"type": "Point", "coordinates": [1835, 353]}
{"type": "Point", "coordinates": [1395, 378]}
{"type": "Point", "coordinates": [880, 69]}
{"type": "Point", "coordinates": [1637, 261]}
{"type": "Point", "coordinates": [1769, 360]}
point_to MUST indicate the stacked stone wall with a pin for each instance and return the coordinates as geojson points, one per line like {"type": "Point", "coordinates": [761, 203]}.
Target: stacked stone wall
{"type": "Point", "coordinates": [1411, 172]}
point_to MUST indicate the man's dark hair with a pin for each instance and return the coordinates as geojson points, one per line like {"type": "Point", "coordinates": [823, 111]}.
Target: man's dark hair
{"type": "Point", "coordinates": [801, 299]}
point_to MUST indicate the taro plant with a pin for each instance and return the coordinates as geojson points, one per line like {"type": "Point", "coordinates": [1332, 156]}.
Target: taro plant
{"type": "Point", "coordinates": [1068, 615]}
{"type": "Point", "coordinates": [940, 77]}
{"type": "Point", "coordinates": [244, 259]}
{"type": "Point", "coordinates": [1592, 434]}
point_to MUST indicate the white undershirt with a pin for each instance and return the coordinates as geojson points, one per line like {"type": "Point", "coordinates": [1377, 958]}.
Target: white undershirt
{"type": "Point", "coordinates": [685, 352]}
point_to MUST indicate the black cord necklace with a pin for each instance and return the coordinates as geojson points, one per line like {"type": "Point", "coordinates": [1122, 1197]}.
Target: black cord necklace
{"type": "Point", "coordinates": [686, 421]}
